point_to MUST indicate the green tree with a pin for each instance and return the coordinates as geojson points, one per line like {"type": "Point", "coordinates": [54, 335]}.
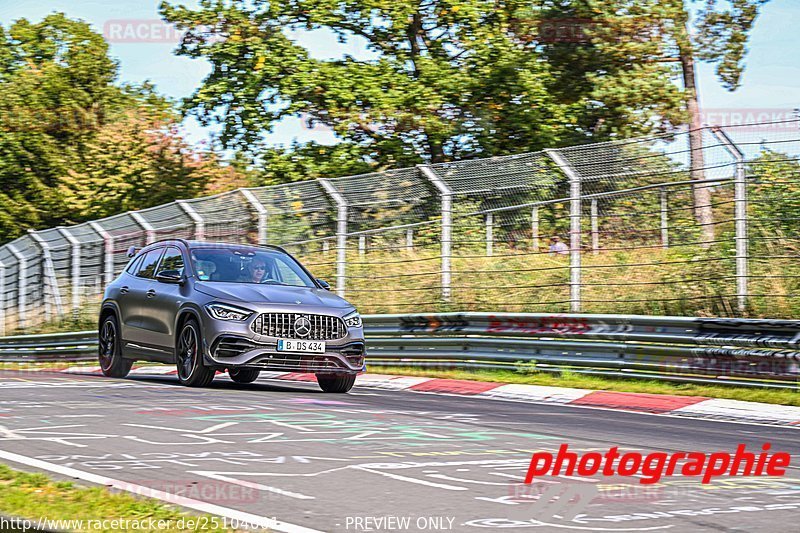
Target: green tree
{"type": "Point", "coordinates": [75, 146]}
{"type": "Point", "coordinates": [304, 161]}
{"type": "Point", "coordinates": [443, 74]}
{"type": "Point", "coordinates": [440, 80]}
{"type": "Point", "coordinates": [55, 90]}
{"type": "Point", "coordinates": [774, 200]}
{"type": "Point", "coordinates": [140, 160]}
{"type": "Point", "coordinates": [672, 36]}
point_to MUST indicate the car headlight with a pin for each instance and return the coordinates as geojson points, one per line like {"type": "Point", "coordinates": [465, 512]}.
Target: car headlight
{"type": "Point", "coordinates": [227, 312]}
{"type": "Point", "coordinates": [353, 320]}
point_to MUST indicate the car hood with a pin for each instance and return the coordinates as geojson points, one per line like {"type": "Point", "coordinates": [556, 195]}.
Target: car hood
{"type": "Point", "coordinates": [275, 294]}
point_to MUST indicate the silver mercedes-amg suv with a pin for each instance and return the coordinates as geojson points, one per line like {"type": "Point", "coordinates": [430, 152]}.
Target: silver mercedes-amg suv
{"type": "Point", "coordinates": [212, 306]}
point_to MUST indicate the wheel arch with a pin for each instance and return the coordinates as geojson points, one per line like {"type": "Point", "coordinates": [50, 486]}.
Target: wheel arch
{"type": "Point", "coordinates": [185, 314]}
{"type": "Point", "coordinates": [108, 308]}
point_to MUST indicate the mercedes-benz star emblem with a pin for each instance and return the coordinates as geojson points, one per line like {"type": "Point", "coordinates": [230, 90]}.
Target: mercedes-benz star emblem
{"type": "Point", "coordinates": [302, 327]}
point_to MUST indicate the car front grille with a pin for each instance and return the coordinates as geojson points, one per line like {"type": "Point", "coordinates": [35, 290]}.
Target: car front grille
{"type": "Point", "coordinates": [290, 326]}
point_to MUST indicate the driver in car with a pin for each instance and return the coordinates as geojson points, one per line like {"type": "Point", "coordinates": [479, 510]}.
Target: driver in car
{"type": "Point", "coordinates": [256, 272]}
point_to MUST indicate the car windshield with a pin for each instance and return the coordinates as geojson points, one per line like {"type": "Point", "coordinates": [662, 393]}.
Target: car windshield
{"type": "Point", "coordinates": [248, 265]}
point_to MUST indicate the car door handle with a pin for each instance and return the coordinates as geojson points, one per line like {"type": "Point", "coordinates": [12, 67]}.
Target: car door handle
{"type": "Point", "coordinates": [151, 293]}
{"type": "Point", "coordinates": [123, 290]}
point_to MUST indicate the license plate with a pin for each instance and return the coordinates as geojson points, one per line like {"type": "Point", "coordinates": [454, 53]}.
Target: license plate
{"type": "Point", "coordinates": [295, 345]}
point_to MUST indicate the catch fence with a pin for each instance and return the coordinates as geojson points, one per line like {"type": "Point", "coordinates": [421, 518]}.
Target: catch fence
{"type": "Point", "coordinates": [640, 233]}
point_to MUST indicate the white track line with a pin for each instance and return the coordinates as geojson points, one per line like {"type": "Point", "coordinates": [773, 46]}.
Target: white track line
{"type": "Point", "coordinates": [203, 507]}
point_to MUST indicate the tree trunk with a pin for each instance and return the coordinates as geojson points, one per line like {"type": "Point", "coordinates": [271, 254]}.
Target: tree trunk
{"type": "Point", "coordinates": [702, 193]}
{"type": "Point", "coordinates": [436, 149]}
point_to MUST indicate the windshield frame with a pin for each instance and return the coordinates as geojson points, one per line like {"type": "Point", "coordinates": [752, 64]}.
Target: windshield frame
{"type": "Point", "coordinates": [302, 273]}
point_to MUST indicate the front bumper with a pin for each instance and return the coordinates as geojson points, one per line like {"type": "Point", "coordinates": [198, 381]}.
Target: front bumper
{"type": "Point", "coordinates": [231, 344]}
{"type": "Point", "coordinates": [238, 351]}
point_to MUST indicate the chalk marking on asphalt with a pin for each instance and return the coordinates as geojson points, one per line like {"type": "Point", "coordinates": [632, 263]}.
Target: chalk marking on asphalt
{"type": "Point", "coordinates": [6, 433]}
{"type": "Point", "coordinates": [206, 430]}
{"type": "Point", "coordinates": [462, 480]}
{"type": "Point", "coordinates": [199, 439]}
{"type": "Point", "coordinates": [288, 425]}
{"type": "Point", "coordinates": [257, 486]}
{"type": "Point", "coordinates": [191, 503]}
{"type": "Point", "coordinates": [411, 479]}
{"type": "Point", "coordinates": [578, 478]}
{"type": "Point", "coordinates": [383, 390]}
{"type": "Point", "coordinates": [520, 478]}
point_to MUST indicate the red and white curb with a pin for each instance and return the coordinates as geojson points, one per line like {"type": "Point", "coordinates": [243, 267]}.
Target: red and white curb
{"type": "Point", "coordinates": [658, 404]}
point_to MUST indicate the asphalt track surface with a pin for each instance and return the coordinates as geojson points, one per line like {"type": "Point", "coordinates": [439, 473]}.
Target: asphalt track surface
{"type": "Point", "coordinates": [375, 460]}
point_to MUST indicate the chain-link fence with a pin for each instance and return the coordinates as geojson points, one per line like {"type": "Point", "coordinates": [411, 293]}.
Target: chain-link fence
{"type": "Point", "coordinates": [644, 226]}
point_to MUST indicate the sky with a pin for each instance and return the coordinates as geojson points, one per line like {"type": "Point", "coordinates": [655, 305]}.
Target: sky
{"type": "Point", "coordinates": [144, 46]}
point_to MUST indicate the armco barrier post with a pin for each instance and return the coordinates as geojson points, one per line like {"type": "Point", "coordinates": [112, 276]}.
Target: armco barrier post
{"type": "Point", "coordinates": [341, 234]}
{"type": "Point", "coordinates": [535, 228]}
{"type": "Point", "coordinates": [199, 223]}
{"type": "Point", "coordinates": [261, 213]}
{"type": "Point", "coordinates": [22, 285]}
{"type": "Point", "coordinates": [446, 194]}
{"type": "Point", "coordinates": [740, 216]}
{"type": "Point", "coordinates": [75, 270]}
{"type": "Point", "coordinates": [574, 229]}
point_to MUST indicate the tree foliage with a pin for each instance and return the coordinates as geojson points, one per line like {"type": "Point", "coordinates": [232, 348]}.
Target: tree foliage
{"type": "Point", "coordinates": [657, 32]}
{"type": "Point", "coordinates": [441, 80]}
{"type": "Point", "coordinates": [55, 90]}
{"type": "Point", "coordinates": [76, 146]}
{"type": "Point", "coordinates": [449, 79]}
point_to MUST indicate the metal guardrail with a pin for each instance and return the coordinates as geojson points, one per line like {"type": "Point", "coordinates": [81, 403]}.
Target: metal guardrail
{"type": "Point", "coordinates": [51, 347]}
{"type": "Point", "coordinates": [749, 352]}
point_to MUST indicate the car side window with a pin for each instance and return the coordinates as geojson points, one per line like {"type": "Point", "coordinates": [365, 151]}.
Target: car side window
{"type": "Point", "coordinates": [134, 264]}
{"type": "Point", "coordinates": [172, 260]}
{"type": "Point", "coordinates": [147, 268]}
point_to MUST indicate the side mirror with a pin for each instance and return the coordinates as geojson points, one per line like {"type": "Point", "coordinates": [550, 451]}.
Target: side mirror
{"type": "Point", "coordinates": [325, 284]}
{"type": "Point", "coordinates": [170, 276]}
{"type": "Point", "coordinates": [132, 251]}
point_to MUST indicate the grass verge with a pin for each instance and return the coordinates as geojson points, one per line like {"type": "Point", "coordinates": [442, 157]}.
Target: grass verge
{"type": "Point", "coordinates": [583, 381]}
{"type": "Point", "coordinates": [35, 496]}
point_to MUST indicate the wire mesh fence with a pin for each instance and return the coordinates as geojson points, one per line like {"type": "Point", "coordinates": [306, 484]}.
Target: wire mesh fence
{"type": "Point", "coordinates": [636, 226]}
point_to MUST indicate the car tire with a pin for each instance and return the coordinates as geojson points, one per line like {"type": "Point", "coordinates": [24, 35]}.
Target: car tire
{"type": "Point", "coordinates": [337, 383]}
{"type": "Point", "coordinates": [243, 375]}
{"type": "Point", "coordinates": [189, 357]}
{"type": "Point", "coordinates": [110, 357]}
